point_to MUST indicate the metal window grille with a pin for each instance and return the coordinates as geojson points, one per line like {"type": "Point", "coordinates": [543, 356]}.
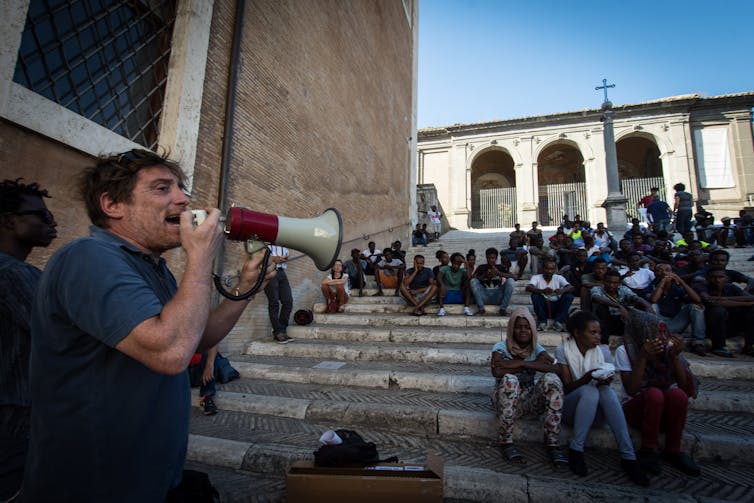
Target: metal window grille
{"type": "Point", "coordinates": [497, 208]}
{"type": "Point", "coordinates": [560, 199]}
{"type": "Point", "coordinates": [636, 188]}
{"type": "Point", "coordinates": [106, 60]}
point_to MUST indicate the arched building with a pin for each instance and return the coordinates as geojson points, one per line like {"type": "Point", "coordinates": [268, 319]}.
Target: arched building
{"type": "Point", "coordinates": [494, 174]}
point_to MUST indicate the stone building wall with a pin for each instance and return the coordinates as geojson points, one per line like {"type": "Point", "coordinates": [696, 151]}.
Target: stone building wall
{"type": "Point", "coordinates": [323, 119]}
{"type": "Point", "coordinates": [447, 155]}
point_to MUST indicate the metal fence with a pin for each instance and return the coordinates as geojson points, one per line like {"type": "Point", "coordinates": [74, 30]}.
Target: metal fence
{"type": "Point", "coordinates": [636, 188]}
{"type": "Point", "coordinates": [561, 199]}
{"type": "Point", "coordinates": [497, 208]}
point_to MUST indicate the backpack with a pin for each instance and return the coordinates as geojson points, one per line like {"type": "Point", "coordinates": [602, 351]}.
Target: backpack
{"type": "Point", "coordinates": [195, 487]}
{"type": "Point", "coordinates": [354, 451]}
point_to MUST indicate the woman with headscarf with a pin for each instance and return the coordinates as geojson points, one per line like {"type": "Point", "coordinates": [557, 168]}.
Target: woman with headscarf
{"type": "Point", "coordinates": [658, 383]}
{"type": "Point", "coordinates": [515, 362]}
{"type": "Point", "coordinates": [587, 370]}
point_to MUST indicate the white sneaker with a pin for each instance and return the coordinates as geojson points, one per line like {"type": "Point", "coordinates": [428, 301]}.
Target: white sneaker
{"type": "Point", "coordinates": [441, 312]}
{"type": "Point", "coordinates": [467, 311]}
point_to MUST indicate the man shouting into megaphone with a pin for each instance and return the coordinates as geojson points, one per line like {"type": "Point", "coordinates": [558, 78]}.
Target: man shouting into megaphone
{"type": "Point", "coordinates": [113, 334]}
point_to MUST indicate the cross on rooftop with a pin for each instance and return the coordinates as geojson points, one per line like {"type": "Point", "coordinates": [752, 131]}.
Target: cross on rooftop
{"type": "Point", "coordinates": [604, 86]}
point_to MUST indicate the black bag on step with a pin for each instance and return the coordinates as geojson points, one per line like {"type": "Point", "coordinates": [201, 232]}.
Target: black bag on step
{"type": "Point", "coordinates": [194, 488]}
{"type": "Point", "coordinates": [354, 451]}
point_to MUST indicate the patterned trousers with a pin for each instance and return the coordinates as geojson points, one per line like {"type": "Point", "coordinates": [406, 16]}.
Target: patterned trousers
{"type": "Point", "coordinates": [511, 401]}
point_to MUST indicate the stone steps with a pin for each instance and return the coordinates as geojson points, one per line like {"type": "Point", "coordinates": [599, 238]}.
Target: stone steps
{"type": "Point", "coordinates": [427, 413]}
{"type": "Point", "coordinates": [259, 448]}
{"type": "Point", "coordinates": [413, 384]}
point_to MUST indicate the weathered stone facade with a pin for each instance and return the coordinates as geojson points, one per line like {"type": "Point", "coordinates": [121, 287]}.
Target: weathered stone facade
{"type": "Point", "coordinates": [654, 139]}
{"type": "Point", "coordinates": [324, 118]}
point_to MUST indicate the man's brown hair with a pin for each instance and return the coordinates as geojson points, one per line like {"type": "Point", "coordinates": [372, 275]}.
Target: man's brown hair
{"type": "Point", "coordinates": [116, 176]}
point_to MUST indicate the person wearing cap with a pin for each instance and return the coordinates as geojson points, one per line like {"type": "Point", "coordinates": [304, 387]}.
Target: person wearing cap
{"type": "Point", "coordinates": [355, 268]}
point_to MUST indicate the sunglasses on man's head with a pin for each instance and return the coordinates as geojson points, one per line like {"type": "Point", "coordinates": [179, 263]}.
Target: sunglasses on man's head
{"type": "Point", "coordinates": [45, 215]}
{"type": "Point", "coordinates": [131, 155]}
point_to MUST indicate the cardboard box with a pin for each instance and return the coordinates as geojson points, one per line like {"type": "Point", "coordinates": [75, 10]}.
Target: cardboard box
{"type": "Point", "coordinates": [385, 482]}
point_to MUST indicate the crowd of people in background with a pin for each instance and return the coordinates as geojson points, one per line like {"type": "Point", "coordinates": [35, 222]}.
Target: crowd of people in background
{"type": "Point", "coordinates": [663, 285]}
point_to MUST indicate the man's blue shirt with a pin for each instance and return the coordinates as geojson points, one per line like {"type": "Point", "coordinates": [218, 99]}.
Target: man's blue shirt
{"type": "Point", "coordinates": [104, 426]}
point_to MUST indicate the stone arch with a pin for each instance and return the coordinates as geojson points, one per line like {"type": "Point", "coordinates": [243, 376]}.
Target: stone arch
{"type": "Point", "coordinates": [560, 161]}
{"type": "Point", "coordinates": [639, 155]}
{"type": "Point", "coordinates": [490, 168]}
{"type": "Point", "coordinates": [562, 181]}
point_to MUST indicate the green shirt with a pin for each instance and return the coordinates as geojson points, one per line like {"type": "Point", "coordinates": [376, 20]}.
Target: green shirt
{"type": "Point", "coordinates": [452, 280]}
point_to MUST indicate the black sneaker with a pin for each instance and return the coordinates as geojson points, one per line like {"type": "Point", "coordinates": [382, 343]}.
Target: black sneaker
{"type": "Point", "coordinates": [210, 409]}
{"type": "Point", "coordinates": [634, 473]}
{"type": "Point", "coordinates": [282, 338]}
{"type": "Point", "coordinates": [683, 462]}
{"type": "Point", "coordinates": [576, 462]}
{"type": "Point", "coordinates": [649, 461]}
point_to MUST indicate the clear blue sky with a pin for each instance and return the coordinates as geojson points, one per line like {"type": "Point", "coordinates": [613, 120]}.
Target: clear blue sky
{"type": "Point", "coordinates": [482, 60]}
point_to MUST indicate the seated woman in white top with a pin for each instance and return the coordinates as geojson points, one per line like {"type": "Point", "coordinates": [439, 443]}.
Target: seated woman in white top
{"type": "Point", "coordinates": [586, 372]}
{"type": "Point", "coordinates": [336, 289]}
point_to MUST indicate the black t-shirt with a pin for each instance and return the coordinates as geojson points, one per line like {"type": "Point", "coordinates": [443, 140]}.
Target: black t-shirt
{"type": "Point", "coordinates": [481, 275]}
{"type": "Point", "coordinates": [421, 280]}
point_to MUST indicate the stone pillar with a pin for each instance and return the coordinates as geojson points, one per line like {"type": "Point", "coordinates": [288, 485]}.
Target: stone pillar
{"type": "Point", "coordinates": [615, 204]}
{"type": "Point", "coordinates": [526, 189]}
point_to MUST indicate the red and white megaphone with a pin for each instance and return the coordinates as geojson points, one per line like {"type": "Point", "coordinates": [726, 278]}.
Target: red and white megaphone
{"type": "Point", "coordinates": [320, 238]}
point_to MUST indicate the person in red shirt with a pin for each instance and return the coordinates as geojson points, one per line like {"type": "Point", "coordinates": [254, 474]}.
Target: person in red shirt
{"type": "Point", "coordinates": [644, 202]}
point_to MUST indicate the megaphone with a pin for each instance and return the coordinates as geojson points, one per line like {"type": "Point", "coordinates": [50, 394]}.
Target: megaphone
{"type": "Point", "coordinates": [320, 238]}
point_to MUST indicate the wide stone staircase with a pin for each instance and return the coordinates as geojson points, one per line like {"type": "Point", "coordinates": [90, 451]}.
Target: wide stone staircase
{"type": "Point", "coordinates": [417, 384]}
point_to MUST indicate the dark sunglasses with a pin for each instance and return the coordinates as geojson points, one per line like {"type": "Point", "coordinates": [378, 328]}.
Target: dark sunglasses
{"type": "Point", "coordinates": [45, 215]}
{"type": "Point", "coordinates": [131, 155]}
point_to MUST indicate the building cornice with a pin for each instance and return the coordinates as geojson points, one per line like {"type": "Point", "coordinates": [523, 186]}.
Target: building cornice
{"type": "Point", "coordinates": [686, 103]}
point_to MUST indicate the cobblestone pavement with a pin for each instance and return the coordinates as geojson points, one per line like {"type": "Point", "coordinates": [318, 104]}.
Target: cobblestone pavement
{"type": "Point", "coordinates": [722, 481]}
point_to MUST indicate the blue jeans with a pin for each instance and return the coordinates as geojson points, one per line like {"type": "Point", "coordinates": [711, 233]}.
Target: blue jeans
{"type": "Point", "coordinates": [195, 373]}
{"type": "Point", "coordinates": [662, 225]}
{"type": "Point", "coordinates": [557, 310]}
{"type": "Point", "coordinates": [418, 240]}
{"type": "Point", "coordinates": [499, 296]}
{"type": "Point", "coordinates": [588, 404]}
{"type": "Point", "coordinates": [689, 314]}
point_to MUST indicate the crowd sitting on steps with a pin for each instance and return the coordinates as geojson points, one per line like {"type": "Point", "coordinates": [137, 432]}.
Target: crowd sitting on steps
{"type": "Point", "coordinates": [643, 286]}
{"type": "Point", "coordinates": [685, 282]}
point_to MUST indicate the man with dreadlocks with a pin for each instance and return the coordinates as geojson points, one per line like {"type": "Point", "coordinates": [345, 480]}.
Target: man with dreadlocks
{"type": "Point", "coordinates": [659, 383]}
{"type": "Point", "coordinates": [25, 223]}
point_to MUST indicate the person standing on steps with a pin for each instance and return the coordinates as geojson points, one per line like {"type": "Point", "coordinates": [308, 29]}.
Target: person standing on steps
{"type": "Point", "coordinates": [25, 223]}
{"type": "Point", "coordinates": [435, 219]}
{"type": "Point", "coordinates": [683, 206]}
{"type": "Point", "coordinates": [279, 296]}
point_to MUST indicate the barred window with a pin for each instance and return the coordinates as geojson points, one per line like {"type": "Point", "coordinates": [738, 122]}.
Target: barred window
{"type": "Point", "coordinates": [106, 60]}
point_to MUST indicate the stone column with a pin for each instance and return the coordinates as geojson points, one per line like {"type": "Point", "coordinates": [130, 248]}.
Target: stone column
{"type": "Point", "coordinates": [615, 204]}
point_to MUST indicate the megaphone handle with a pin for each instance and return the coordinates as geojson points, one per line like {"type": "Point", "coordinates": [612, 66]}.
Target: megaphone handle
{"type": "Point", "coordinates": [254, 289]}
